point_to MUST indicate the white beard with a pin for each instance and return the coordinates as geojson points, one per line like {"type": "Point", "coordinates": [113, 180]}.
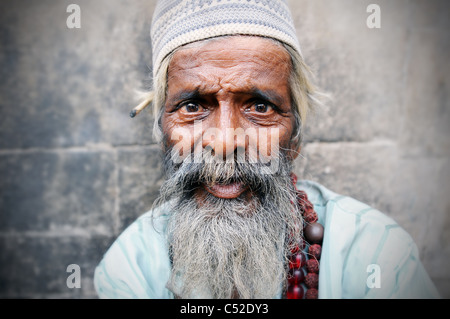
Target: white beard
{"type": "Point", "coordinates": [224, 248]}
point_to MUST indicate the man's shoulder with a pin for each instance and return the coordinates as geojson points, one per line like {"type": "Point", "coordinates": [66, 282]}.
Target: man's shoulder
{"type": "Point", "coordinates": [155, 218]}
{"type": "Point", "coordinates": [136, 260]}
{"type": "Point", "coordinates": [327, 202]}
{"type": "Point", "coordinates": [146, 230]}
{"type": "Point", "coordinates": [350, 220]}
{"type": "Point", "coordinates": [320, 195]}
{"type": "Point", "coordinates": [359, 237]}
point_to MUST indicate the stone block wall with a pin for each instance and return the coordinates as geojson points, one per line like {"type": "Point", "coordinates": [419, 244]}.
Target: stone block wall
{"type": "Point", "coordinates": [75, 170]}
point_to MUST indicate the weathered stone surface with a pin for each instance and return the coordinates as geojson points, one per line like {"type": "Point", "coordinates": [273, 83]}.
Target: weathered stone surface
{"type": "Point", "coordinates": [425, 121]}
{"type": "Point", "coordinates": [360, 170]}
{"type": "Point", "coordinates": [64, 87]}
{"type": "Point", "coordinates": [76, 170]}
{"type": "Point", "coordinates": [140, 176]}
{"type": "Point", "coordinates": [361, 68]}
{"type": "Point", "coordinates": [421, 187]}
{"type": "Point", "coordinates": [429, 14]}
{"type": "Point", "coordinates": [36, 267]}
{"type": "Point", "coordinates": [57, 192]}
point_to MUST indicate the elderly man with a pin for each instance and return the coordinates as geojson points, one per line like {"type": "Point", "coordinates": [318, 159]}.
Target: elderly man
{"type": "Point", "coordinates": [231, 93]}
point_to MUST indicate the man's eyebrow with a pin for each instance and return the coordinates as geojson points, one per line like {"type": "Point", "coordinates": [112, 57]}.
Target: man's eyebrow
{"type": "Point", "coordinates": [185, 95]}
{"type": "Point", "coordinates": [268, 95]}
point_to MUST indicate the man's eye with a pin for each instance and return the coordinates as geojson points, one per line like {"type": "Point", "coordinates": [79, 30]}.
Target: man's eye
{"type": "Point", "coordinates": [191, 107]}
{"type": "Point", "coordinates": [262, 107]}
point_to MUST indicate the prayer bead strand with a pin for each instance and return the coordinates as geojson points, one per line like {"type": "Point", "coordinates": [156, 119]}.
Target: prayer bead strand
{"type": "Point", "coordinates": [303, 274]}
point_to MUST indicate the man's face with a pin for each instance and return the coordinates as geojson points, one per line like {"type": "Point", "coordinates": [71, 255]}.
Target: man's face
{"type": "Point", "coordinates": [231, 222]}
{"type": "Point", "coordinates": [222, 87]}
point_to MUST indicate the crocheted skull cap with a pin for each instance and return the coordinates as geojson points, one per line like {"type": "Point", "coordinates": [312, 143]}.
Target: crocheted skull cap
{"type": "Point", "coordinates": [179, 22]}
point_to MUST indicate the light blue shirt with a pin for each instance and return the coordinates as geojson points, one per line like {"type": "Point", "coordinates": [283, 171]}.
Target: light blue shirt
{"type": "Point", "coordinates": [365, 254]}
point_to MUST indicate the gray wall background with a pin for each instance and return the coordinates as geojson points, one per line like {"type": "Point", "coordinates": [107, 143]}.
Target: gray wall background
{"type": "Point", "coordinates": [75, 170]}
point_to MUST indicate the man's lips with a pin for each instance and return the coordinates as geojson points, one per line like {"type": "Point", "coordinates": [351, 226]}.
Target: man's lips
{"type": "Point", "coordinates": [231, 190]}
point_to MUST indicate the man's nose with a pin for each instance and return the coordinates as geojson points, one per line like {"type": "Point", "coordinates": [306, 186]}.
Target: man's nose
{"type": "Point", "coordinates": [224, 136]}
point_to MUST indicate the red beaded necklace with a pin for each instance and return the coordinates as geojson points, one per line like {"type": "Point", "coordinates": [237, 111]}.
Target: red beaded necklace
{"type": "Point", "coordinates": [303, 276]}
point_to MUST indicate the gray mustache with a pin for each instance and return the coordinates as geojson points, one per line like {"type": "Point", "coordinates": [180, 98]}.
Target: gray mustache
{"type": "Point", "coordinates": [210, 170]}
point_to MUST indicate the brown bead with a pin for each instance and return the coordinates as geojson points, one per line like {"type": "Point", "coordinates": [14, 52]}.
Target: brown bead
{"type": "Point", "coordinates": [312, 280]}
{"type": "Point", "coordinates": [315, 251]}
{"type": "Point", "coordinates": [312, 265]}
{"type": "Point", "coordinates": [314, 233]}
{"type": "Point", "coordinates": [312, 293]}
{"type": "Point", "coordinates": [310, 217]}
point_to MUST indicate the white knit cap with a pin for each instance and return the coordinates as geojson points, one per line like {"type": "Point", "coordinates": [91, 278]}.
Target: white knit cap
{"type": "Point", "coordinates": [179, 22]}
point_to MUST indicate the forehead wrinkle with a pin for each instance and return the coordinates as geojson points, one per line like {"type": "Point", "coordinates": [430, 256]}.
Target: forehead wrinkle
{"type": "Point", "coordinates": [211, 68]}
{"type": "Point", "coordinates": [229, 63]}
{"type": "Point", "coordinates": [233, 80]}
{"type": "Point", "coordinates": [222, 86]}
{"type": "Point", "coordinates": [255, 53]}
